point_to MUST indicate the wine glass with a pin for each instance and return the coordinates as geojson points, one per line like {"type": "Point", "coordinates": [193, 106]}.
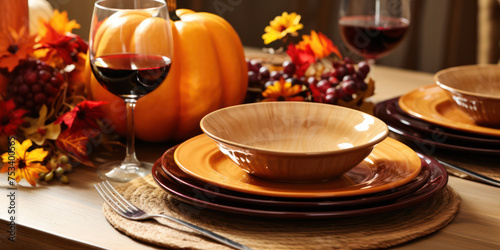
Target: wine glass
{"type": "Point", "coordinates": [373, 28]}
{"type": "Point", "coordinates": [130, 56]}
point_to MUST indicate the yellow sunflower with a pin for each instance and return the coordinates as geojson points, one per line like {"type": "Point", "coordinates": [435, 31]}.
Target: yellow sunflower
{"type": "Point", "coordinates": [282, 26]}
{"type": "Point", "coordinates": [282, 91]}
{"type": "Point", "coordinates": [27, 164]}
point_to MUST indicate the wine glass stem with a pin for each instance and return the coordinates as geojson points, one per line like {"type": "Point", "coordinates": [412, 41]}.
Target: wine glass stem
{"type": "Point", "coordinates": [130, 157]}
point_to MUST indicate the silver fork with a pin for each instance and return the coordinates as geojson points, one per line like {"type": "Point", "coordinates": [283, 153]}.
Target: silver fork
{"type": "Point", "coordinates": [131, 212]}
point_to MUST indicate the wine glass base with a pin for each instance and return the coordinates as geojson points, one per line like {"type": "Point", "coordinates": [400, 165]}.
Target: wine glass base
{"type": "Point", "coordinates": [119, 172]}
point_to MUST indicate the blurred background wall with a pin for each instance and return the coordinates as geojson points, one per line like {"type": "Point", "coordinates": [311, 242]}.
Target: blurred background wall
{"type": "Point", "coordinates": [442, 34]}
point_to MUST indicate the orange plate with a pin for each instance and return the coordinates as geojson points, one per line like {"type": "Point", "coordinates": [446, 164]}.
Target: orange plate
{"type": "Point", "coordinates": [391, 164]}
{"type": "Point", "coordinates": [430, 103]}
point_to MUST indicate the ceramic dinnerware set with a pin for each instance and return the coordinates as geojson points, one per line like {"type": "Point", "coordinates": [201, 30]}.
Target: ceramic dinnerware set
{"type": "Point", "coordinates": [297, 160]}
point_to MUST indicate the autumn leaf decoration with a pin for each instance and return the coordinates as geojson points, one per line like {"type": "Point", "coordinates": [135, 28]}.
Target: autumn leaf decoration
{"type": "Point", "coordinates": [76, 145]}
{"type": "Point", "coordinates": [57, 44]}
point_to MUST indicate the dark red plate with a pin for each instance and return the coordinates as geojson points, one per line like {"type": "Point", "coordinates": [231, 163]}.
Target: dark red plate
{"type": "Point", "coordinates": [436, 182]}
{"type": "Point", "coordinates": [214, 193]}
{"type": "Point", "coordinates": [427, 135]}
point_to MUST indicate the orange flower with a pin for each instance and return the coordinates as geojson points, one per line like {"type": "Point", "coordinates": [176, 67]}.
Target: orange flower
{"type": "Point", "coordinates": [56, 44]}
{"type": "Point", "coordinates": [59, 22]}
{"type": "Point", "coordinates": [282, 91]}
{"type": "Point", "coordinates": [15, 46]}
{"type": "Point", "coordinates": [320, 45]}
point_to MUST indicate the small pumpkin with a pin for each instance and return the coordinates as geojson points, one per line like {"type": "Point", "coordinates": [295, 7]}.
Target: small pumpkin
{"type": "Point", "coordinates": [208, 72]}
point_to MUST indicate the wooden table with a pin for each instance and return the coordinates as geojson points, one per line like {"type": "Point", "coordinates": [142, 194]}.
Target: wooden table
{"type": "Point", "coordinates": [58, 216]}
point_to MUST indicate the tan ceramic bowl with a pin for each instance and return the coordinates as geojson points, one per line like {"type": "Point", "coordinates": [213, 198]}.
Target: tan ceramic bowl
{"type": "Point", "coordinates": [294, 141]}
{"type": "Point", "coordinates": [476, 91]}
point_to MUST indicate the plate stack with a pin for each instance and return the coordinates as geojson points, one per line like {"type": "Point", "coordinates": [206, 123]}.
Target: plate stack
{"type": "Point", "coordinates": [429, 119]}
{"type": "Point", "coordinates": [391, 177]}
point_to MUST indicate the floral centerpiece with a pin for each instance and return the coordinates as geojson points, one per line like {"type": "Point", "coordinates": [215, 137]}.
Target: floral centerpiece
{"type": "Point", "coordinates": [315, 71]}
{"type": "Point", "coordinates": [46, 122]}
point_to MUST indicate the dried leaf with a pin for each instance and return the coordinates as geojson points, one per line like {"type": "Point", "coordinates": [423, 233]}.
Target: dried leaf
{"type": "Point", "coordinates": [76, 145]}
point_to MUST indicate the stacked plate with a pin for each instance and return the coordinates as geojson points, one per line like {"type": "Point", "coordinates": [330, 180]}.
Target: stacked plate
{"type": "Point", "coordinates": [389, 179]}
{"type": "Point", "coordinates": [428, 118]}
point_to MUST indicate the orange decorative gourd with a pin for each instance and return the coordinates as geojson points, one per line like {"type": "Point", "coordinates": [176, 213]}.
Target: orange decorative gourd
{"type": "Point", "coordinates": [208, 72]}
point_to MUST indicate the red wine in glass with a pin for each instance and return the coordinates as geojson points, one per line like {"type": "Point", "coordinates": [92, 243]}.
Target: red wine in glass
{"type": "Point", "coordinates": [130, 75]}
{"type": "Point", "coordinates": [370, 37]}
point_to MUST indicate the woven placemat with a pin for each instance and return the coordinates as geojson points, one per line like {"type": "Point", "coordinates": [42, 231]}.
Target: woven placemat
{"type": "Point", "coordinates": [364, 232]}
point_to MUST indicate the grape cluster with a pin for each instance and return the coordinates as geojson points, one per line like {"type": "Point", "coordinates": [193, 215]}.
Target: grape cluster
{"type": "Point", "coordinates": [260, 76]}
{"type": "Point", "coordinates": [34, 83]}
{"type": "Point", "coordinates": [342, 82]}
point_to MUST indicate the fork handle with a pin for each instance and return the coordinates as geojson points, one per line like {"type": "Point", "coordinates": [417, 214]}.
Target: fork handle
{"type": "Point", "coordinates": [475, 175]}
{"type": "Point", "coordinates": [205, 232]}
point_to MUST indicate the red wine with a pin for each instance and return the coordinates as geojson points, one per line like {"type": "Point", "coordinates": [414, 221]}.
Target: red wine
{"type": "Point", "coordinates": [369, 38]}
{"type": "Point", "coordinates": [130, 75]}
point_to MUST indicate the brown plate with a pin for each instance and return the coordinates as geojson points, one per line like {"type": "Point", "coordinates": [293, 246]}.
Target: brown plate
{"type": "Point", "coordinates": [391, 164]}
{"type": "Point", "coordinates": [430, 103]}
{"type": "Point", "coordinates": [437, 181]}
{"type": "Point", "coordinates": [215, 193]}
{"type": "Point", "coordinates": [430, 140]}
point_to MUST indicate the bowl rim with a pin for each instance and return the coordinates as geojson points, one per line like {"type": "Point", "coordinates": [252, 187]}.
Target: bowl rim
{"type": "Point", "coordinates": [461, 91]}
{"type": "Point", "coordinates": [381, 136]}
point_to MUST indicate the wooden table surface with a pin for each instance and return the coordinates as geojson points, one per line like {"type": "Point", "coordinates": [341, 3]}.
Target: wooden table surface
{"type": "Point", "coordinates": [58, 216]}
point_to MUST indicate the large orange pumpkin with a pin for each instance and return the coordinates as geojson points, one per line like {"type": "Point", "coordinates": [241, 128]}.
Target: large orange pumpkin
{"type": "Point", "coordinates": [208, 72]}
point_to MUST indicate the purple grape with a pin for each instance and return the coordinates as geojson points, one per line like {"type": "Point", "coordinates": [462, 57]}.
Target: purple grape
{"type": "Point", "coordinates": [362, 85]}
{"type": "Point", "coordinates": [253, 77]}
{"type": "Point", "coordinates": [264, 72]}
{"type": "Point", "coordinates": [364, 67]}
{"type": "Point", "coordinates": [254, 66]}
{"type": "Point", "coordinates": [349, 87]}
{"type": "Point", "coordinates": [330, 91]}
{"type": "Point", "coordinates": [323, 85]}
{"type": "Point", "coordinates": [348, 78]}
{"type": "Point", "coordinates": [329, 98]}
{"type": "Point", "coordinates": [341, 72]}
{"type": "Point", "coordinates": [289, 67]}
{"type": "Point", "coordinates": [350, 68]}
{"type": "Point", "coordinates": [275, 75]}
{"type": "Point", "coordinates": [312, 80]}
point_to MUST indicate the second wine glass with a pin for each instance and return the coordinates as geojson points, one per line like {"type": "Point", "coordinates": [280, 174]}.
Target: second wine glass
{"type": "Point", "coordinates": [373, 28]}
{"type": "Point", "coordinates": [129, 62]}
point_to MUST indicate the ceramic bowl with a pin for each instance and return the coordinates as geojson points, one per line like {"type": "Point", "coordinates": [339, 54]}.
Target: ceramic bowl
{"type": "Point", "coordinates": [475, 89]}
{"type": "Point", "coordinates": [294, 141]}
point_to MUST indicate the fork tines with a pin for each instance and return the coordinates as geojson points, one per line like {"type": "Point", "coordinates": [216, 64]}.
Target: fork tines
{"type": "Point", "coordinates": [114, 199]}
